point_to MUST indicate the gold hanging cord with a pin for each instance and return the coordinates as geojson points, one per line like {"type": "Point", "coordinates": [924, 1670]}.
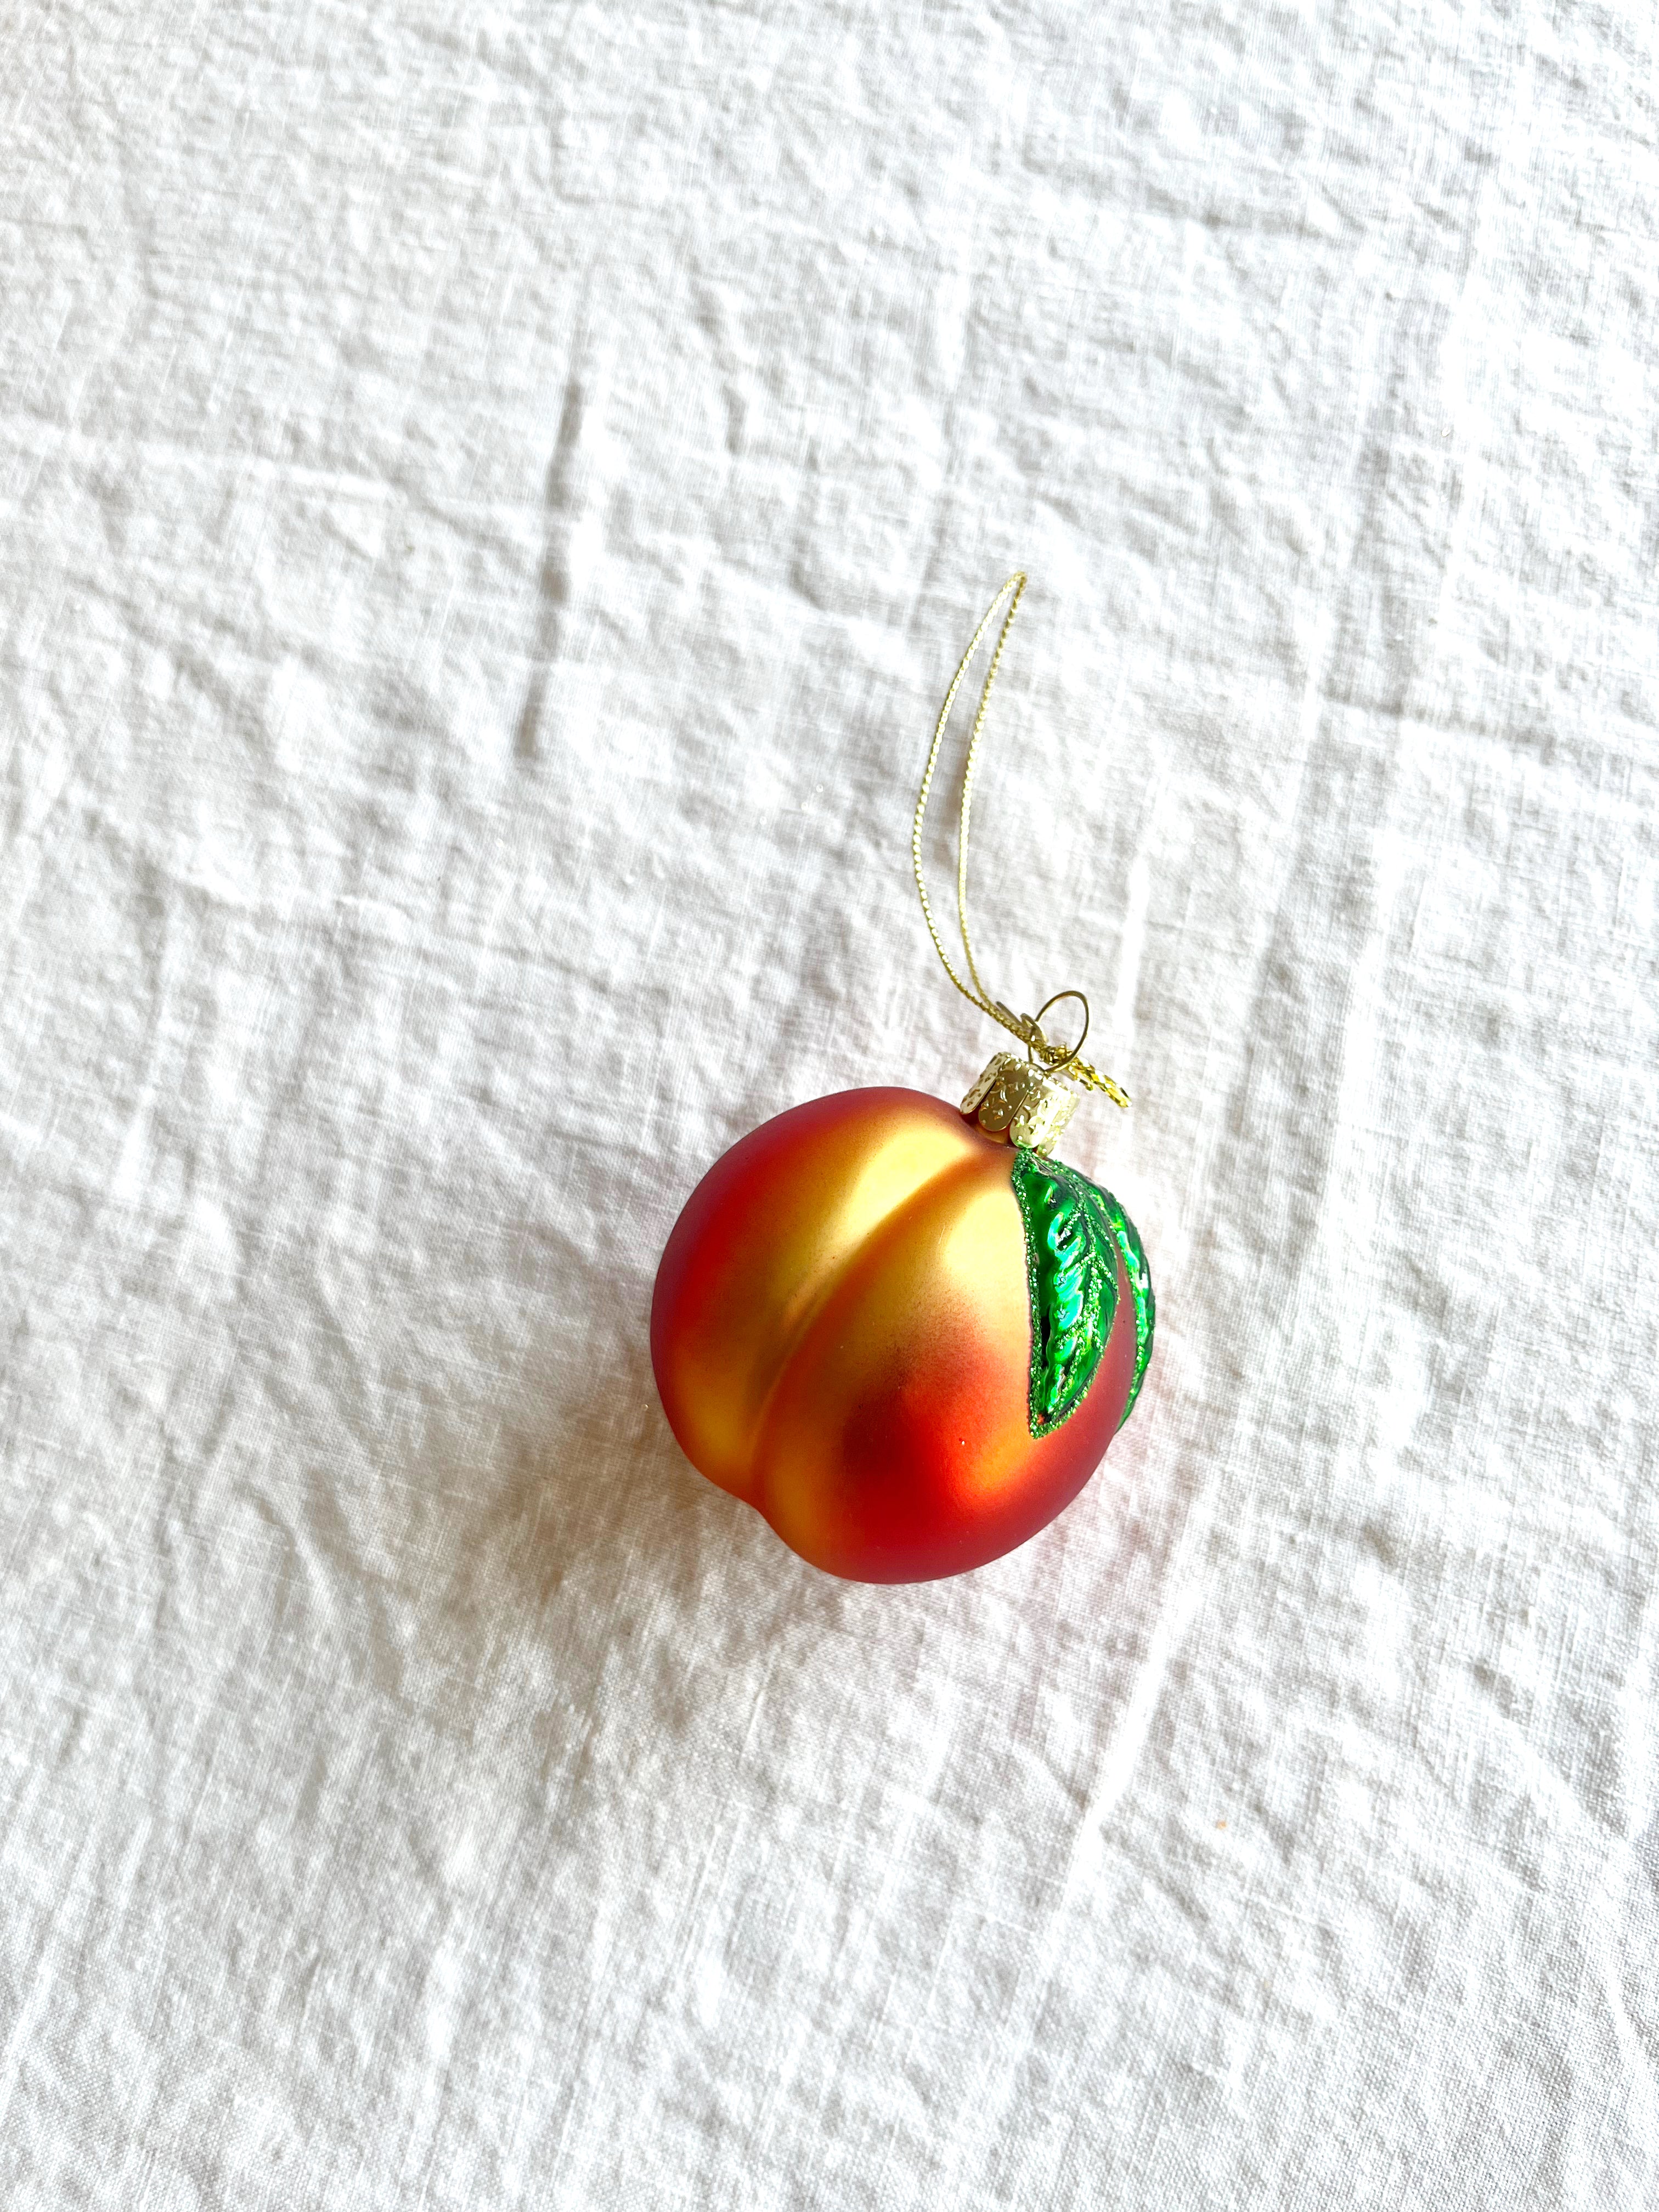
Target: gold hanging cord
{"type": "Point", "coordinates": [1055, 1059]}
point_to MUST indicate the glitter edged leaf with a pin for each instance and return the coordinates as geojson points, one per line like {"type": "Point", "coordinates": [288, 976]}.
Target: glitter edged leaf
{"type": "Point", "coordinates": [1074, 1233]}
{"type": "Point", "coordinates": [1071, 1272]}
{"type": "Point", "coordinates": [1128, 1240]}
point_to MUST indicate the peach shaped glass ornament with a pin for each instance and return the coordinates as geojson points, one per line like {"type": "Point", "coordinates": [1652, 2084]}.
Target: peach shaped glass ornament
{"type": "Point", "coordinates": [901, 1329]}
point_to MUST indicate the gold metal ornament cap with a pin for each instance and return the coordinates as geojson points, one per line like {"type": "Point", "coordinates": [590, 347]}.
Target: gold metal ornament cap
{"type": "Point", "coordinates": [1019, 1103]}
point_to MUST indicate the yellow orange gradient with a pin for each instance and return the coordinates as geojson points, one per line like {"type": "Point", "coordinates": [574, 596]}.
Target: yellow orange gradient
{"type": "Point", "coordinates": [841, 1333]}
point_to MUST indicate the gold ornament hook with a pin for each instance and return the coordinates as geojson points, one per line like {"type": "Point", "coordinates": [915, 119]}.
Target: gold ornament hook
{"type": "Point", "coordinates": [1054, 1060]}
{"type": "Point", "coordinates": [1059, 1067]}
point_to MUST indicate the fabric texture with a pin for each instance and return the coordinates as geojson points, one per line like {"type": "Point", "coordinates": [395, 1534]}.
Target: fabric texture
{"type": "Point", "coordinates": [492, 499]}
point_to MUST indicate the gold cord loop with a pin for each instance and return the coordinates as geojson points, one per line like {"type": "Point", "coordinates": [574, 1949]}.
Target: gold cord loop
{"type": "Point", "coordinates": [1055, 1060]}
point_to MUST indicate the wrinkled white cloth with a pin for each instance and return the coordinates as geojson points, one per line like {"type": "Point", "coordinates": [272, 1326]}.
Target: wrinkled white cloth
{"type": "Point", "coordinates": [492, 499]}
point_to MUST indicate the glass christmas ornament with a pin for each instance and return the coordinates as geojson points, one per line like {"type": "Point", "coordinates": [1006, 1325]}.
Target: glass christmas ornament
{"type": "Point", "coordinates": [901, 1329]}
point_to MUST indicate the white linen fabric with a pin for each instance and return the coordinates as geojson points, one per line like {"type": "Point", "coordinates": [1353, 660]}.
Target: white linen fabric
{"type": "Point", "coordinates": [492, 500]}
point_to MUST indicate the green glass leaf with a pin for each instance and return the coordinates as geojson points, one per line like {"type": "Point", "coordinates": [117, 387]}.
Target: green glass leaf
{"type": "Point", "coordinates": [1128, 1240]}
{"type": "Point", "coordinates": [1075, 1232]}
